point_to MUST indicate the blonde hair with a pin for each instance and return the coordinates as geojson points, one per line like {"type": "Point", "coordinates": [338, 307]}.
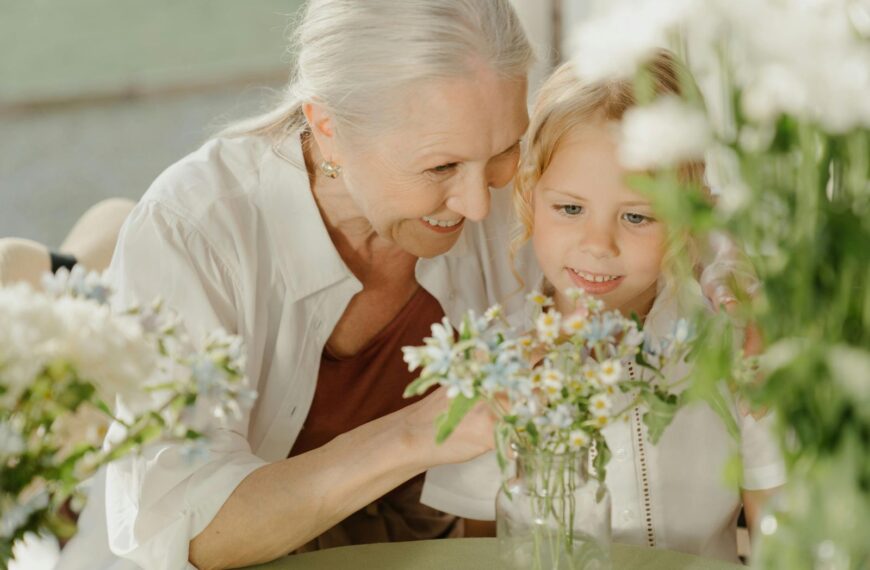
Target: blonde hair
{"type": "Point", "coordinates": [564, 103]}
{"type": "Point", "coordinates": [357, 57]}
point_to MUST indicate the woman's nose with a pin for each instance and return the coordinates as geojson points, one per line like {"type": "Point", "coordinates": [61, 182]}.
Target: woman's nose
{"type": "Point", "coordinates": [472, 201]}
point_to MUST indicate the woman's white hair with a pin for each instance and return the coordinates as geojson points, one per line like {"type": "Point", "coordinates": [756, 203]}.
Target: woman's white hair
{"type": "Point", "coordinates": [358, 57]}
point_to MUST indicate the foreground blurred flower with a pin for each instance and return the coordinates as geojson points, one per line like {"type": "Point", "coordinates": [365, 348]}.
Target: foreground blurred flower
{"type": "Point", "coordinates": [786, 85]}
{"type": "Point", "coordinates": [65, 359]}
{"type": "Point", "coordinates": [617, 41]}
{"type": "Point", "coordinates": [667, 132]}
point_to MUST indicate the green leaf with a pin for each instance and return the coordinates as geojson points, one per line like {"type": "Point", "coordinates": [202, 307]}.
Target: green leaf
{"type": "Point", "coordinates": [420, 386]}
{"type": "Point", "coordinates": [502, 443]}
{"type": "Point", "coordinates": [600, 463]}
{"type": "Point", "coordinates": [660, 414]}
{"type": "Point", "coordinates": [447, 422]}
{"type": "Point", "coordinates": [733, 473]}
{"type": "Point", "coordinates": [717, 402]}
{"type": "Point", "coordinates": [532, 430]}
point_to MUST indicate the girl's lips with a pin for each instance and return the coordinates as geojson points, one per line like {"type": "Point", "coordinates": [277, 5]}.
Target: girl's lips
{"type": "Point", "coordinates": [440, 230]}
{"type": "Point", "coordinates": [593, 287]}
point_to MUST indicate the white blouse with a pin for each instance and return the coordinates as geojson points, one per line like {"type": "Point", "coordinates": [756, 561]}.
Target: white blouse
{"type": "Point", "coordinates": [231, 237]}
{"type": "Point", "coordinates": [671, 495]}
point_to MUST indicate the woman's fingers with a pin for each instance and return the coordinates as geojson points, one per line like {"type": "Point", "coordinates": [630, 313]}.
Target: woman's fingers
{"type": "Point", "coordinates": [473, 435]}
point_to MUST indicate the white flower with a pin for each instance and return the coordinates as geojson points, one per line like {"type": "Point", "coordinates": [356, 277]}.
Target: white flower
{"type": "Point", "coordinates": [614, 43]}
{"type": "Point", "coordinates": [552, 381]}
{"type": "Point", "coordinates": [575, 294]}
{"type": "Point", "coordinates": [106, 349]}
{"type": "Point", "coordinates": [600, 422]}
{"type": "Point", "coordinates": [599, 405]}
{"type": "Point", "coordinates": [665, 133]}
{"type": "Point", "coordinates": [525, 409]}
{"type": "Point", "coordinates": [547, 326]}
{"type": "Point", "coordinates": [633, 337]}
{"type": "Point", "coordinates": [574, 324]}
{"type": "Point", "coordinates": [539, 299]}
{"type": "Point", "coordinates": [811, 65]}
{"type": "Point", "coordinates": [443, 332]}
{"type": "Point", "coordinates": [590, 373]}
{"type": "Point", "coordinates": [13, 514]}
{"type": "Point", "coordinates": [611, 371]}
{"type": "Point", "coordinates": [561, 417]}
{"type": "Point", "coordinates": [413, 357]}
{"type": "Point", "coordinates": [493, 313]}
{"type": "Point", "coordinates": [578, 439]}
{"type": "Point", "coordinates": [594, 305]}
{"type": "Point", "coordinates": [457, 386]}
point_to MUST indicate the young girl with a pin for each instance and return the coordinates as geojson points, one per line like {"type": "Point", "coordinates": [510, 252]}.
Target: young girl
{"type": "Point", "coordinates": [591, 230]}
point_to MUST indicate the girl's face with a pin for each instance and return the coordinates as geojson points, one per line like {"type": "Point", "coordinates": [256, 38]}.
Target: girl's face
{"type": "Point", "coordinates": [591, 230]}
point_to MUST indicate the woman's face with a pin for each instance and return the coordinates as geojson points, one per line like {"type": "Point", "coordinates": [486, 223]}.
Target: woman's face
{"type": "Point", "coordinates": [455, 140]}
{"type": "Point", "coordinates": [591, 230]}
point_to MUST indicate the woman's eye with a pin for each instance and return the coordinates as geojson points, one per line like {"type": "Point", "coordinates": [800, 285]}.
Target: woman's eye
{"type": "Point", "coordinates": [569, 209]}
{"type": "Point", "coordinates": [444, 168]}
{"type": "Point", "coordinates": [636, 219]}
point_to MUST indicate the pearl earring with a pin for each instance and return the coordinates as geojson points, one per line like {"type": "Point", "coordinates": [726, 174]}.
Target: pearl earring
{"type": "Point", "coordinates": [330, 169]}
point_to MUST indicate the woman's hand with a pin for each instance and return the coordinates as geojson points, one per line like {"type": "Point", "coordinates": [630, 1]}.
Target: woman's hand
{"type": "Point", "coordinates": [472, 437]}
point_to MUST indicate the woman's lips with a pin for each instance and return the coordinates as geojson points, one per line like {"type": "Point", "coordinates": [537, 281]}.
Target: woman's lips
{"type": "Point", "coordinates": [443, 230]}
{"type": "Point", "coordinates": [594, 287]}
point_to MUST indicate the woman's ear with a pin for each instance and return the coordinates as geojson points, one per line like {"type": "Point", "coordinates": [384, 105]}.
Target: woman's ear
{"type": "Point", "coordinates": [322, 127]}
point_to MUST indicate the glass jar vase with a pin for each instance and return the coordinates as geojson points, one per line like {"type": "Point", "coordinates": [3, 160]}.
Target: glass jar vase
{"type": "Point", "coordinates": [551, 514]}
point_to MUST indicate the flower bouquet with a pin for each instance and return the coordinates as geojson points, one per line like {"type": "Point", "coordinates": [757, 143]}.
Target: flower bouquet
{"type": "Point", "coordinates": [785, 127]}
{"type": "Point", "coordinates": [553, 389]}
{"type": "Point", "coordinates": [65, 357]}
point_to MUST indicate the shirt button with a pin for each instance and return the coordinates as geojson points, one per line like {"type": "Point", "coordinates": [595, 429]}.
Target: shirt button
{"type": "Point", "coordinates": [620, 454]}
{"type": "Point", "coordinates": [627, 515]}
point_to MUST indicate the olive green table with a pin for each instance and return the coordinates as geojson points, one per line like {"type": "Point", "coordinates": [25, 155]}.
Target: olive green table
{"type": "Point", "coordinates": [471, 554]}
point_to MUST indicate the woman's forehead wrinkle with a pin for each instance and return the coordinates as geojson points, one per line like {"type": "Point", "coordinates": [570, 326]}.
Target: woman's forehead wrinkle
{"type": "Point", "coordinates": [460, 120]}
{"type": "Point", "coordinates": [443, 143]}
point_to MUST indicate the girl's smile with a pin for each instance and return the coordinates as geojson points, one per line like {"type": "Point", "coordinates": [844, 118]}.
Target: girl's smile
{"type": "Point", "coordinates": [594, 283]}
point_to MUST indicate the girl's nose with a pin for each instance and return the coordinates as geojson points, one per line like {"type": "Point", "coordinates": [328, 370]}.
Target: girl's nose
{"type": "Point", "coordinates": [599, 240]}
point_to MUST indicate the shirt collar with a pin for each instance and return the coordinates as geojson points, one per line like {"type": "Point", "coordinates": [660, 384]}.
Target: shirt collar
{"type": "Point", "coordinates": [307, 258]}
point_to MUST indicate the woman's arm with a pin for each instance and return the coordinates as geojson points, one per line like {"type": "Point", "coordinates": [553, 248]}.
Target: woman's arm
{"type": "Point", "coordinates": [281, 506]}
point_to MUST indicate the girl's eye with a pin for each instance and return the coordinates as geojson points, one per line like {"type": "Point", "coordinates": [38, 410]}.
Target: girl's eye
{"type": "Point", "coordinates": [637, 219]}
{"type": "Point", "coordinates": [444, 168]}
{"type": "Point", "coordinates": [569, 209]}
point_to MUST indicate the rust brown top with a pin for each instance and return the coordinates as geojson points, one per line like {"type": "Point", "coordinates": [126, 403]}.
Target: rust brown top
{"type": "Point", "coordinates": [356, 390]}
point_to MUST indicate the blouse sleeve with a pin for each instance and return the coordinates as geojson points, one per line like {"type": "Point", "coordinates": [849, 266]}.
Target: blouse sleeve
{"type": "Point", "coordinates": [763, 464]}
{"type": "Point", "coordinates": [464, 489]}
{"type": "Point", "coordinates": [159, 500]}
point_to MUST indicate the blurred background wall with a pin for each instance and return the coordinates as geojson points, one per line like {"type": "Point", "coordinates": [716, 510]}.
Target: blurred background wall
{"type": "Point", "coordinates": [97, 97]}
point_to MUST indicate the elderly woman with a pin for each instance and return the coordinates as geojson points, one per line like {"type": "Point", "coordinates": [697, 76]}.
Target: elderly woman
{"type": "Point", "coordinates": [328, 234]}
